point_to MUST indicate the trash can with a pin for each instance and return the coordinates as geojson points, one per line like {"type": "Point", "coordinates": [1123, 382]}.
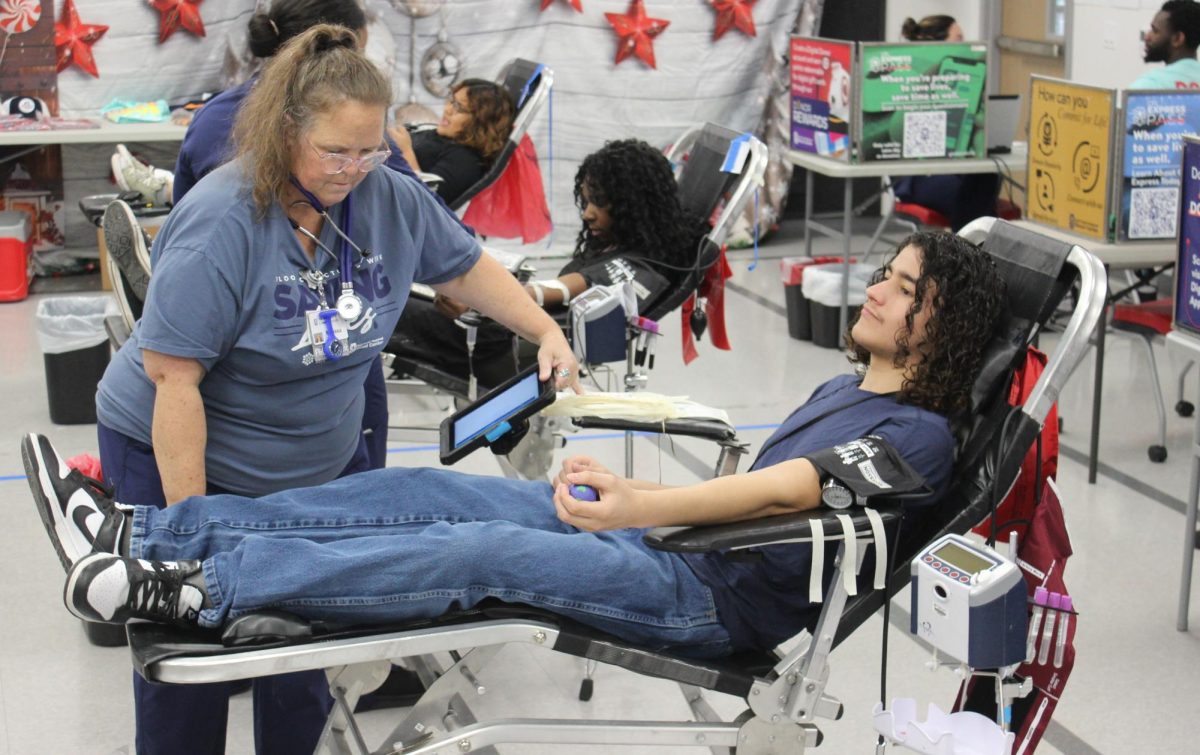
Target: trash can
{"type": "Point", "coordinates": [791, 274]}
{"type": "Point", "coordinates": [16, 256]}
{"type": "Point", "coordinates": [75, 348]}
{"type": "Point", "coordinates": [822, 287]}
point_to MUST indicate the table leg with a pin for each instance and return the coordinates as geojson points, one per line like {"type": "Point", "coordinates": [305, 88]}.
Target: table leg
{"type": "Point", "coordinates": [808, 207]}
{"type": "Point", "coordinates": [847, 218]}
{"type": "Point", "coordinates": [1094, 446]}
{"type": "Point", "coordinates": [1189, 533]}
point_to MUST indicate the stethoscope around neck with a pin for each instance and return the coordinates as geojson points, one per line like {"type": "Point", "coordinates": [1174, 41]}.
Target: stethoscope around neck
{"type": "Point", "coordinates": [348, 304]}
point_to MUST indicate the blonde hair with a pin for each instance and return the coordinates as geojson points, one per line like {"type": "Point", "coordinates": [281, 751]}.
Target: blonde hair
{"type": "Point", "coordinates": [313, 73]}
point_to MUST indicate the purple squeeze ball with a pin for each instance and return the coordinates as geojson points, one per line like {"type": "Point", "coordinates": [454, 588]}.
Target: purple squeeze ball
{"type": "Point", "coordinates": [583, 493]}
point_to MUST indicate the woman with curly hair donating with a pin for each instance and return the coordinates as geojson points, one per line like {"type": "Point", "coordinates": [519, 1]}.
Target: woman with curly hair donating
{"type": "Point", "coordinates": [417, 543]}
{"type": "Point", "coordinates": [476, 121]}
{"type": "Point", "coordinates": [633, 228]}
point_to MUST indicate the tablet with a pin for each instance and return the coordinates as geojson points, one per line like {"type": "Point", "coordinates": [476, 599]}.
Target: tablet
{"type": "Point", "coordinates": [492, 416]}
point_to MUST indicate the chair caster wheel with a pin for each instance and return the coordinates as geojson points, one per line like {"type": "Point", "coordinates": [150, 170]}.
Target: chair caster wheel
{"type": "Point", "coordinates": [1185, 408]}
{"type": "Point", "coordinates": [1158, 454]}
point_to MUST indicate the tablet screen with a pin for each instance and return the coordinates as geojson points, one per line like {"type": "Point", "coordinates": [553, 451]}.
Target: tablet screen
{"type": "Point", "coordinates": [495, 408]}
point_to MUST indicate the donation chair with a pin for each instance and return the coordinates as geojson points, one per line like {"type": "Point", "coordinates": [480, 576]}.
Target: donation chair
{"type": "Point", "coordinates": [529, 84]}
{"type": "Point", "coordinates": [706, 184]}
{"type": "Point", "coordinates": [784, 693]}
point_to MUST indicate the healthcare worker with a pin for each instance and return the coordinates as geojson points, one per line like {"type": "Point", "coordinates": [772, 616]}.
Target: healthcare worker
{"type": "Point", "coordinates": [277, 280]}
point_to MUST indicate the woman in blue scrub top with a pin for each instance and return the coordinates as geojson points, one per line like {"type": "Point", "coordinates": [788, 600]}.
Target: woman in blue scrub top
{"type": "Point", "coordinates": [277, 281]}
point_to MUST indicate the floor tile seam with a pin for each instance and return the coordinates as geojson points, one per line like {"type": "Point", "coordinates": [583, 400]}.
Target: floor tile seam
{"type": "Point", "coordinates": [1142, 488]}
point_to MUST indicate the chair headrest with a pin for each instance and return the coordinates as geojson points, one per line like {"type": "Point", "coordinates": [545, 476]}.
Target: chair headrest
{"type": "Point", "coordinates": [518, 78]}
{"type": "Point", "coordinates": [702, 183]}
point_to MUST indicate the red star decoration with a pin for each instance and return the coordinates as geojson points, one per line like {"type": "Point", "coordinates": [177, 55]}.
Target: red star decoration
{"type": "Point", "coordinates": [737, 13]}
{"type": "Point", "coordinates": [176, 13]}
{"type": "Point", "coordinates": [636, 32]}
{"type": "Point", "coordinates": [73, 40]}
{"type": "Point", "coordinates": [576, 4]}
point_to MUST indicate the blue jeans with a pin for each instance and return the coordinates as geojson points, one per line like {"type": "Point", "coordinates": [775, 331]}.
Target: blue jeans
{"type": "Point", "coordinates": [190, 719]}
{"type": "Point", "coordinates": [417, 543]}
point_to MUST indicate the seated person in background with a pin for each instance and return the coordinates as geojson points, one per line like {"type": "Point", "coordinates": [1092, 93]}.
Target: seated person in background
{"type": "Point", "coordinates": [1173, 38]}
{"type": "Point", "coordinates": [961, 198]}
{"type": "Point", "coordinates": [476, 122]}
{"type": "Point", "coordinates": [633, 229]}
{"type": "Point", "coordinates": [416, 543]}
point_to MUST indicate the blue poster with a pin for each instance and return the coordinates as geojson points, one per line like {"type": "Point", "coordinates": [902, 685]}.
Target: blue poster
{"type": "Point", "coordinates": [1187, 270]}
{"type": "Point", "coordinates": [1155, 123]}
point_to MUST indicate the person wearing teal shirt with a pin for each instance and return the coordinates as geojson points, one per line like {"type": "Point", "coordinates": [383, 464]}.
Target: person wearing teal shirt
{"type": "Point", "coordinates": [1173, 38]}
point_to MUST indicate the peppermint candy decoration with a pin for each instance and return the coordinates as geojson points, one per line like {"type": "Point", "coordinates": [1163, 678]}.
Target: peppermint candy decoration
{"type": "Point", "coordinates": [18, 16]}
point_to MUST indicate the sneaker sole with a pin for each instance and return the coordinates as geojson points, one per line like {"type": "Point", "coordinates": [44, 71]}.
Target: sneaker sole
{"type": "Point", "coordinates": [38, 482]}
{"type": "Point", "coordinates": [122, 236]}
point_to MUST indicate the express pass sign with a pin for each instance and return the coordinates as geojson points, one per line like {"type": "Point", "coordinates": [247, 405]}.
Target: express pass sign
{"type": "Point", "coordinates": [1070, 135]}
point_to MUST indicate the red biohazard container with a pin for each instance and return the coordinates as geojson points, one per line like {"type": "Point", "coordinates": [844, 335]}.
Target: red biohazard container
{"type": "Point", "coordinates": [15, 256]}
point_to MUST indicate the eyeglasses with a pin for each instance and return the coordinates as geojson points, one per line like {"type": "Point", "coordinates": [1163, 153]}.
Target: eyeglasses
{"type": "Point", "coordinates": [457, 106]}
{"type": "Point", "coordinates": [333, 163]}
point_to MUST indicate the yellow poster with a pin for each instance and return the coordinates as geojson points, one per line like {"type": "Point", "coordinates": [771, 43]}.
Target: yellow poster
{"type": "Point", "coordinates": [1070, 156]}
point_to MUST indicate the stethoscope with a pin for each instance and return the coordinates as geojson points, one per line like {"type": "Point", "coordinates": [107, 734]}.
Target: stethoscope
{"type": "Point", "coordinates": [349, 305]}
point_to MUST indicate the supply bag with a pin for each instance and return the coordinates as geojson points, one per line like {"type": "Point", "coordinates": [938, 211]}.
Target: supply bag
{"type": "Point", "coordinates": [598, 319]}
{"type": "Point", "coordinates": [71, 323]}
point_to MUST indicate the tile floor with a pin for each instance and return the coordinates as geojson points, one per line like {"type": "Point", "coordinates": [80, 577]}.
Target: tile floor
{"type": "Point", "coordinates": [58, 694]}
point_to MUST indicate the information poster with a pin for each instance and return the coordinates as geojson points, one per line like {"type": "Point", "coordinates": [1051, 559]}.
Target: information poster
{"type": "Point", "coordinates": [1152, 147]}
{"type": "Point", "coordinates": [821, 96]}
{"type": "Point", "coordinates": [1070, 134]}
{"type": "Point", "coordinates": [923, 100]}
{"type": "Point", "coordinates": [1187, 271]}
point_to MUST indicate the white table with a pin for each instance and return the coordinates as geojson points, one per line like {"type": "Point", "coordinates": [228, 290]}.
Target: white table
{"type": "Point", "coordinates": [1187, 346]}
{"type": "Point", "coordinates": [108, 133]}
{"type": "Point", "coordinates": [1125, 255]}
{"type": "Point", "coordinates": [833, 168]}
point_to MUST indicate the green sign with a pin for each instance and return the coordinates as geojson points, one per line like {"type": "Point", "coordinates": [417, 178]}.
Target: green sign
{"type": "Point", "coordinates": [924, 100]}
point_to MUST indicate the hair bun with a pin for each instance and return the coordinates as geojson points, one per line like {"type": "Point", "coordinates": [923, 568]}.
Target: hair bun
{"type": "Point", "coordinates": [333, 37]}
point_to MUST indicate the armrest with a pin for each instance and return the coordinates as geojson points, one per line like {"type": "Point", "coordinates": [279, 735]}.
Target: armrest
{"type": "Point", "coordinates": [708, 429]}
{"type": "Point", "coordinates": [765, 531]}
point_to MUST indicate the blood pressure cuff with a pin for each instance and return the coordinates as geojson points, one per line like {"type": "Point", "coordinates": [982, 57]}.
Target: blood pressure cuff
{"type": "Point", "coordinates": [872, 469]}
{"type": "Point", "coordinates": [648, 284]}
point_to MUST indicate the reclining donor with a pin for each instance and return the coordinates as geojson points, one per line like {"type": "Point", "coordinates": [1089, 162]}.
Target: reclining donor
{"type": "Point", "coordinates": [417, 543]}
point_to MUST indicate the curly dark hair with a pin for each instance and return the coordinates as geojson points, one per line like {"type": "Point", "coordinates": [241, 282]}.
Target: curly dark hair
{"type": "Point", "coordinates": [969, 303]}
{"type": "Point", "coordinates": [634, 182]}
{"type": "Point", "coordinates": [492, 115]}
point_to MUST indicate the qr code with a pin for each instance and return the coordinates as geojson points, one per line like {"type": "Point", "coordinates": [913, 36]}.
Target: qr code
{"type": "Point", "coordinates": [925, 133]}
{"type": "Point", "coordinates": [1152, 213]}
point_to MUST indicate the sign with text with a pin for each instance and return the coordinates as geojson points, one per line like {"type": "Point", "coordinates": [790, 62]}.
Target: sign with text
{"type": "Point", "coordinates": [1070, 135]}
{"type": "Point", "coordinates": [1187, 270]}
{"type": "Point", "coordinates": [922, 100]}
{"type": "Point", "coordinates": [822, 96]}
{"type": "Point", "coordinates": [1151, 148]}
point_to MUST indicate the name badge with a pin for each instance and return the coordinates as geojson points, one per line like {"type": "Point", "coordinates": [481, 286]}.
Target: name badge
{"type": "Point", "coordinates": [329, 334]}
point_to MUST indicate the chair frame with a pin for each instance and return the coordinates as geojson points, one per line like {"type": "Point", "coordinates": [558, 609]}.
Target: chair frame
{"type": "Point", "coordinates": [784, 694]}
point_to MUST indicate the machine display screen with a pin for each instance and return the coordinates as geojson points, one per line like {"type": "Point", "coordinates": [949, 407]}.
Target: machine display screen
{"type": "Point", "coordinates": [496, 407]}
{"type": "Point", "coordinates": [962, 559]}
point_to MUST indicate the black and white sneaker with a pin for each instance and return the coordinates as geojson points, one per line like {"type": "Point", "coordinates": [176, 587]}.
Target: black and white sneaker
{"type": "Point", "coordinates": [78, 512]}
{"type": "Point", "coordinates": [113, 590]}
{"type": "Point", "coordinates": [126, 242]}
